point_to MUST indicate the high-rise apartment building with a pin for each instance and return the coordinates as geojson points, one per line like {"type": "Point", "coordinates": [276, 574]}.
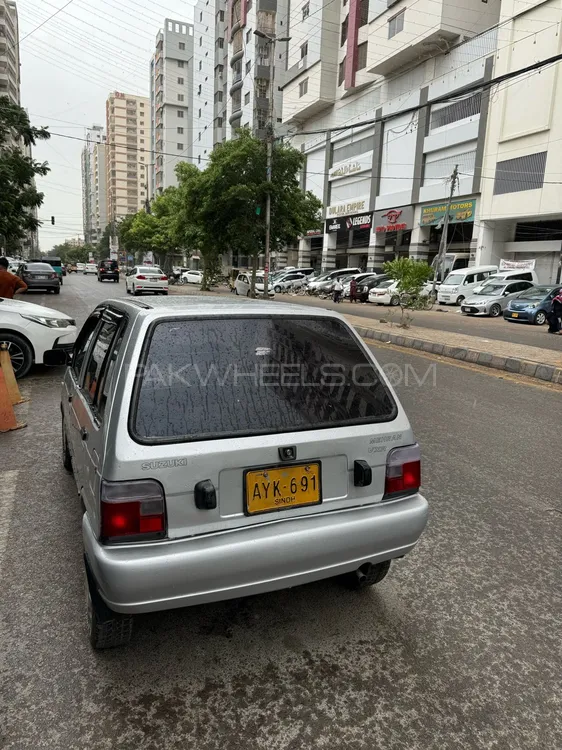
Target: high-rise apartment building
{"type": "Point", "coordinates": [128, 154]}
{"type": "Point", "coordinates": [94, 188]}
{"type": "Point", "coordinates": [171, 102]}
{"type": "Point", "coordinates": [9, 51]}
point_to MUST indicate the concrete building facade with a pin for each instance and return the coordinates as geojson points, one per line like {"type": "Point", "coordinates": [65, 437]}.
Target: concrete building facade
{"type": "Point", "coordinates": [128, 154]}
{"type": "Point", "coordinates": [94, 187]}
{"type": "Point", "coordinates": [171, 102]}
{"type": "Point", "coordinates": [9, 51]}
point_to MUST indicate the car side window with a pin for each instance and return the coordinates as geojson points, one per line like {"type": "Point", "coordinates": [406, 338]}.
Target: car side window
{"type": "Point", "coordinates": [97, 359]}
{"type": "Point", "coordinates": [469, 279]}
{"type": "Point", "coordinates": [113, 352]}
{"type": "Point", "coordinates": [511, 288]}
{"type": "Point", "coordinates": [83, 343]}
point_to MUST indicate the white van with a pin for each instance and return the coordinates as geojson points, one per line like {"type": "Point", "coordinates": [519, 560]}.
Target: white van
{"type": "Point", "coordinates": [452, 262]}
{"type": "Point", "coordinates": [513, 275]}
{"type": "Point", "coordinates": [461, 283]}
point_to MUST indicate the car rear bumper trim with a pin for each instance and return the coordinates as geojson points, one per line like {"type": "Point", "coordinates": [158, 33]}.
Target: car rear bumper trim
{"type": "Point", "coordinates": [243, 562]}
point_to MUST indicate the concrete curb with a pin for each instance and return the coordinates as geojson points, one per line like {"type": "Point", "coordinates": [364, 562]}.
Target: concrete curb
{"type": "Point", "coordinates": [547, 373]}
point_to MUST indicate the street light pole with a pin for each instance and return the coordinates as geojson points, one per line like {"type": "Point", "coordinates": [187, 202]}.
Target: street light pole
{"type": "Point", "coordinates": [269, 136]}
{"type": "Point", "coordinates": [443, 243]}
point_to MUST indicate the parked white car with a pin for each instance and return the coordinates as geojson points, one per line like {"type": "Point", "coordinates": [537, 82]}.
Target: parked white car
{"type": "Point", "coordinates": [80, 267]}
{"type": "Point", "coordinates": [386, 293]}
{"type": "Point", "coordinates": [290, 282]}
{"type": "Point", "coordinates": [90, 268]}
{"type": "Point", "coordinates": [243, 283]}
{"type": "Point", "coordinates": [192, 277]}
{"type": "Point", "coordinates": [141, 279]}
{"type": "Point", "coordinates": [30, 330]}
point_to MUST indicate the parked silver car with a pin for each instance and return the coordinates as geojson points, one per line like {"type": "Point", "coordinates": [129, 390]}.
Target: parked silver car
{"type": "Point", "coordinates": [225, 448]}
{"type": "Point", "coordinates": [493, 297]}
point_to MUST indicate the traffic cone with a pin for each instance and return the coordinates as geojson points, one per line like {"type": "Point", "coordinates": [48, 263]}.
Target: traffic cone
{"type": "Point", "coordinates": [8, 420]}
{"type": "Point", "coordinates": [9, 376]}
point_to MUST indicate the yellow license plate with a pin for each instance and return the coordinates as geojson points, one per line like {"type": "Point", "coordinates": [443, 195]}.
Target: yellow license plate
{"type": "Point", "coordinates": [282, 487]}
{"type": "Point", "coordinates": [514, 315]}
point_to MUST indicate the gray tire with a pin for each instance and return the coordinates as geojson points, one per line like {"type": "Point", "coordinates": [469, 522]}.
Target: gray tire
{"type": "Point", "coordinates": [394, 301]}
{"type": "Point", "coordinates": [540, 318]}
{"type": "Point", "coordinates": [21, 353]}
{"type": "Point", "coordinates": [367, 575]}
{"type": "Point", "coordinates": [106, 629]}
{"type": "Point", "coordinates": [495, 311]}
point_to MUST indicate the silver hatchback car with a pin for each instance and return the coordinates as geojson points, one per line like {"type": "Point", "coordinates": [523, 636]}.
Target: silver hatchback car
{"type": "Point", "coordinates": [224, 448]}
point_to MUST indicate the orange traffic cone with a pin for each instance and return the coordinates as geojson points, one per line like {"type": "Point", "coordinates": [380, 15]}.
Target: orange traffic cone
{"type": "Point", "coordinates": [9, 376]}
{"type": "Point", "coordinates": [7, 417]}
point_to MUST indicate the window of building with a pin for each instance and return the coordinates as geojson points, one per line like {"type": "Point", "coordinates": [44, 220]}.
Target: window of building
{"type": "Point", "coordinates": [199, 88]}
{"type": "Point", "coordinates": [199, 159]}
{"type": "Point", "coordinates": [521, 173]}
{"type": "Point", "coordinates": [396, 24]}
{"type": "Point", "coordinates": [218, 96]}
{"type": "Point", "coordinates": [248, 36]}
{"type": "Point", "coordinates": [363, 12]}
{"type": "Point", "coordinates": [219, 122]}
{"type": "Point", "coordinates": [459, 110]}
{"type": "Point", "coordinates": [142, 132]}
{"type": "Point", "coordinates": [180, 63]}
{"type": "Point", "coordinates": [180, 131]}
{"type": "Point", "coordinates": [362, 56]}
{"type": "Point", "coordinates": [142, 140]}
{"type": "Point", "coordinates": [141, 105]}
{"type": "Point", "coordinates": [199, 113]}
{"type": "Point", "coordinates": [343, 36]}
{"type": "Point", "coordinates": [305, 11]}
{"type": "Point", "coordinates": [303, 87]}
{"type": "Point", "coordinates": [220, 16]}
{"type": "Point", "coordinates": [304, 50]}
{"type": "Point", "coordinates": [181, 45]}
{"type": "Point", "coordinates": [247, 98]}
{"type": "Point", "coordinates": [180, 146]}
{"type": "Point", "coordinates": [220, 42]}
{"type": "Point", "coordinates": [199, 138]}
{"type": "Point", "coordinates": [180, 97]}
{"type": "Point", "coordinates": [180, 113]}
{"type": "Point", "coordinates": [200, 64]}
{"type": "Point", "coordinates": [200, 41]}
{"type": "Point", "coordinates": [180, 81]}
{"type": "Point", "coordinates": [341, 72]}
{"type": "Point", "coordinates": [248, 66]}
{"type": "Point", "coordinates": [201, 16]}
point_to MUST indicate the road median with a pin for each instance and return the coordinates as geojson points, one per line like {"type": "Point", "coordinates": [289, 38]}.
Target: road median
{"type": "Point", "coordinates": [532, 361]}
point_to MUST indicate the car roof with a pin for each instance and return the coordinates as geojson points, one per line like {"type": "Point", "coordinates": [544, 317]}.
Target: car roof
{"type": "Point", "coordinates": [211, 306]}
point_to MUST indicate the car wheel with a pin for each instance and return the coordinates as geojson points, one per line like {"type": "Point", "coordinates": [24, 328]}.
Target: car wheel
{"type": "Point", "coordinates": [21, 353]}
{"type": "Point", "coordinates": [57, 290]}
{"type": "Point", "coordinates": [367, 575]}
{"type": "Point", "coordinates": [66, 457]}
{"type": "Point", "coordinates": [277, 289]}
{"type": "Point", "coordinates": [495, 311]}
{"type": "Point", "coordinates": [540, 318]}
{"type": "Point", "coordinates": [136, 292]}
{"type": "Point", "coordinates": [394, 301]}
{"type": "Point", "coordinates": [459, 301]}
{"type": "Point", "coordinates": [106, 629]}
{"type": "Point", "coordinates": [442, 303]}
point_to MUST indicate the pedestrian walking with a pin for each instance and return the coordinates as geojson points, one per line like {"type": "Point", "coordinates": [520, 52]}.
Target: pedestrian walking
{"type": "Point", "coordinates": [338, 289]}
{"type": "Point", "coordinates": [10, 284]}
{"type": "Point", "coordinates": [555, 315]}
{"type": "Point", "coordinates": [353, 291]}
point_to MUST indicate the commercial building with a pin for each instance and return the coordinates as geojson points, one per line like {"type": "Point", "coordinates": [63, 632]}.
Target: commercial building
{"type": "Point", "coordinates": [171, 102]}
{"type": "Point", "coordinates": [521, 202]}
{"type": "Point", "coordinates": [94, 188]}
{"type": "Point", "coordinates": [128, 156]}
{"type": "Point", "coordinates": [9, 51]}
{"type": "Point", "coordinates": [383, 84]}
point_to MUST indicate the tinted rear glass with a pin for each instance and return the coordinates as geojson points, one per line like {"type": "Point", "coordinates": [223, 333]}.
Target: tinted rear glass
{"type": "Point", "coordinates": [220, 378]}
{"type": "Point", "coordinates": [38, 267]}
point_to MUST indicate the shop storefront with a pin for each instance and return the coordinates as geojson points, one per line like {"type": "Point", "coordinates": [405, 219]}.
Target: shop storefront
{"type": "Point", "coordinates": [392, 230]}
{"type": "Point", "coordinates": [351, 234]}
{"type": "Point", "coordinates": [461, 232]}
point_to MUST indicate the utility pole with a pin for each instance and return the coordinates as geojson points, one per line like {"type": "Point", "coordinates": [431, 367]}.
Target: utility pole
{"type": "Point", "coordinates": [443, 243]}
{"type": "Point", "coordinates": [269, 136]}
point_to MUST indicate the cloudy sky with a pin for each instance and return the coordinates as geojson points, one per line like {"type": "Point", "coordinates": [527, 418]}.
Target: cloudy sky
{"type": "Point", "coordinates": [68, 68]}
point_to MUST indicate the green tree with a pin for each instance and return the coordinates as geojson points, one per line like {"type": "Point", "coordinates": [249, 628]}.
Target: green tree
{"type": "Point", "coordinates": [411, 276]}
{"type": "Point", "coordinates": [142, 233]}
{"type": "Point", "coordinates": [223, 207]}
{"type": "Point", "coordinates": [18, 194]}
{"type": "Point", "coordinates": [71, 253]}
{"type": "Point", "coordinates": [102, 250]}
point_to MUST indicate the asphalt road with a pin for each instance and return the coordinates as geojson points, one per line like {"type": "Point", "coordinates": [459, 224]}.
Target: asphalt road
{"type": "Point", "coordinates": [442, 317]}
{"type": "Point", "coordinates": [459, 647]}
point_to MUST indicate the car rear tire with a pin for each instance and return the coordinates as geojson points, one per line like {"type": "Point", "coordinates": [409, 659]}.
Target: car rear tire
{"type": "Point", "coordinates": [367, 575]}
{"type": "Point", "coordinates": [277, 289]}
{"type": "Point", "coordinates": [136, 292]}
{"type": "Point", "coordinates": [495, 311]}
{"type": "Point", "coordinates": [540, 318]}
{"type": "Point", "coordinates": [394, 301]}
{"type": "Point", "coordinates": [106, 629]}
{"type": "Point", "coordinates": [66, 457]}
{"type": "Point", "coordinates": [459, 301]}
{"type": "Point", "coordinates": [21, 353]}
{"type": "Point", "coordinates": [57, 291]}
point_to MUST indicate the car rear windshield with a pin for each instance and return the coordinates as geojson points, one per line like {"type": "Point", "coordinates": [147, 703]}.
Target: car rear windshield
{"type": "Point", "coordinates": [38, 267]}
{"type": "Point", "coordinates": [151, 269]}
{"type": "Point", "coordinates": [229, 377]}
{"type": "Point", "coordinates": [53, 261]}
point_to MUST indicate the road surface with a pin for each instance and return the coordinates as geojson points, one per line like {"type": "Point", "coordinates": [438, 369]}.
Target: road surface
{"type": "Point", "coordinates": [459, 647]}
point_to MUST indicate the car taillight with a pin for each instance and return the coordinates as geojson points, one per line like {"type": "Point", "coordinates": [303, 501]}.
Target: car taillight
{"type": "Point", "coordinates": [141, 278]}
{"type": "Point", "coordinates": [53, 275]}
{"type": "Point", "coordinates": [403, 472]}
{"type": "Point", "coordinates": [163, 278]}
{"type": "Point", "coordinates": [132, 509]}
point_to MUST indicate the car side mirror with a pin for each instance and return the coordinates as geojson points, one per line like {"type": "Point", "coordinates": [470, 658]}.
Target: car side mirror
{"type": "Point", "coordinates": [56, 358]}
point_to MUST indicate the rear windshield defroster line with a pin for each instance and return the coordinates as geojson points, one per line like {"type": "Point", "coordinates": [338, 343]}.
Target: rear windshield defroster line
{"type": "Point", "coordinates": [220, 377]}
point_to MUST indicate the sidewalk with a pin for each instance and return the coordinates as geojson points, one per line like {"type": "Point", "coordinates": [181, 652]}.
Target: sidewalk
{"type": "Point", "coordinates": [533, 361]}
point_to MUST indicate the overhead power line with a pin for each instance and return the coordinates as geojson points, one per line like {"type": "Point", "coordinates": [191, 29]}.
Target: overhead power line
{"type": "Point", "coordinates": [60, 10]}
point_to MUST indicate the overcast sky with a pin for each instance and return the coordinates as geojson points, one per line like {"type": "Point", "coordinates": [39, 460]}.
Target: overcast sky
{"type": "Point", "coordinates": [68, 68]}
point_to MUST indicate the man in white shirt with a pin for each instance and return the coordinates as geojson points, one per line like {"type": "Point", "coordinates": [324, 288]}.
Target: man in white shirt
{"type": "Point", "coordinates": [338, 289]}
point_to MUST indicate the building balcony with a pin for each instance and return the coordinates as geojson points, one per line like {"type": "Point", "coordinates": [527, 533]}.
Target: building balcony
{"type": "Point", "coordinates": [236, 115]}
{"type": "Point", "coordinates": [411, 31]}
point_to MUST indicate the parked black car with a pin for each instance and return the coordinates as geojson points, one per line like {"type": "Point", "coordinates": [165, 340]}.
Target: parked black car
{"type": "Point", "coordinates": [40, 276]}
{"type": "Point", "coordinates": [108, 270]}
{"type": "Point", "coordinates": [365, 286]}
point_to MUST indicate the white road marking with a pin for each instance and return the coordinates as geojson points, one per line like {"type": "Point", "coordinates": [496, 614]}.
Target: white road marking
{"type": "Point", "coordinates": [8, 482]}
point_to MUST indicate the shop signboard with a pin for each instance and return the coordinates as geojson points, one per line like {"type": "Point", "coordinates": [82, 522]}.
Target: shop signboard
{"type": "Point", "coordinates": [347, 223]}
{"type": "Point", "coordinates": [348, 208]}
{"type": "Point", "coordinates": [394, 219]}
{"type": "Point", "coordinates": [348, 168]}
{"type": "Point", "coordinates": [459, 213]}
{"type": "Point", "coordinates": [517, 265]}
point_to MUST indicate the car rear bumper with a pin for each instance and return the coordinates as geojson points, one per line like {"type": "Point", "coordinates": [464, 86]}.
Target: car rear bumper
{"type": "Point", "coordinates": [109, 276]}
{"type": "Point", "coordinates": [243, 562]}
{"type": "Point", "coordinates": [43, 283]}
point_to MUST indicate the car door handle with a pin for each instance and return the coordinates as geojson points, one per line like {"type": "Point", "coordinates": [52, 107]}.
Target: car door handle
{"type": "Point", "coordinates": [84, 433]}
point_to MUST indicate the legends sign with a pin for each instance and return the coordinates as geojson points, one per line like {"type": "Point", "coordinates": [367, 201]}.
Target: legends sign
{"type": "Point", "coordinates": [347, 223]}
